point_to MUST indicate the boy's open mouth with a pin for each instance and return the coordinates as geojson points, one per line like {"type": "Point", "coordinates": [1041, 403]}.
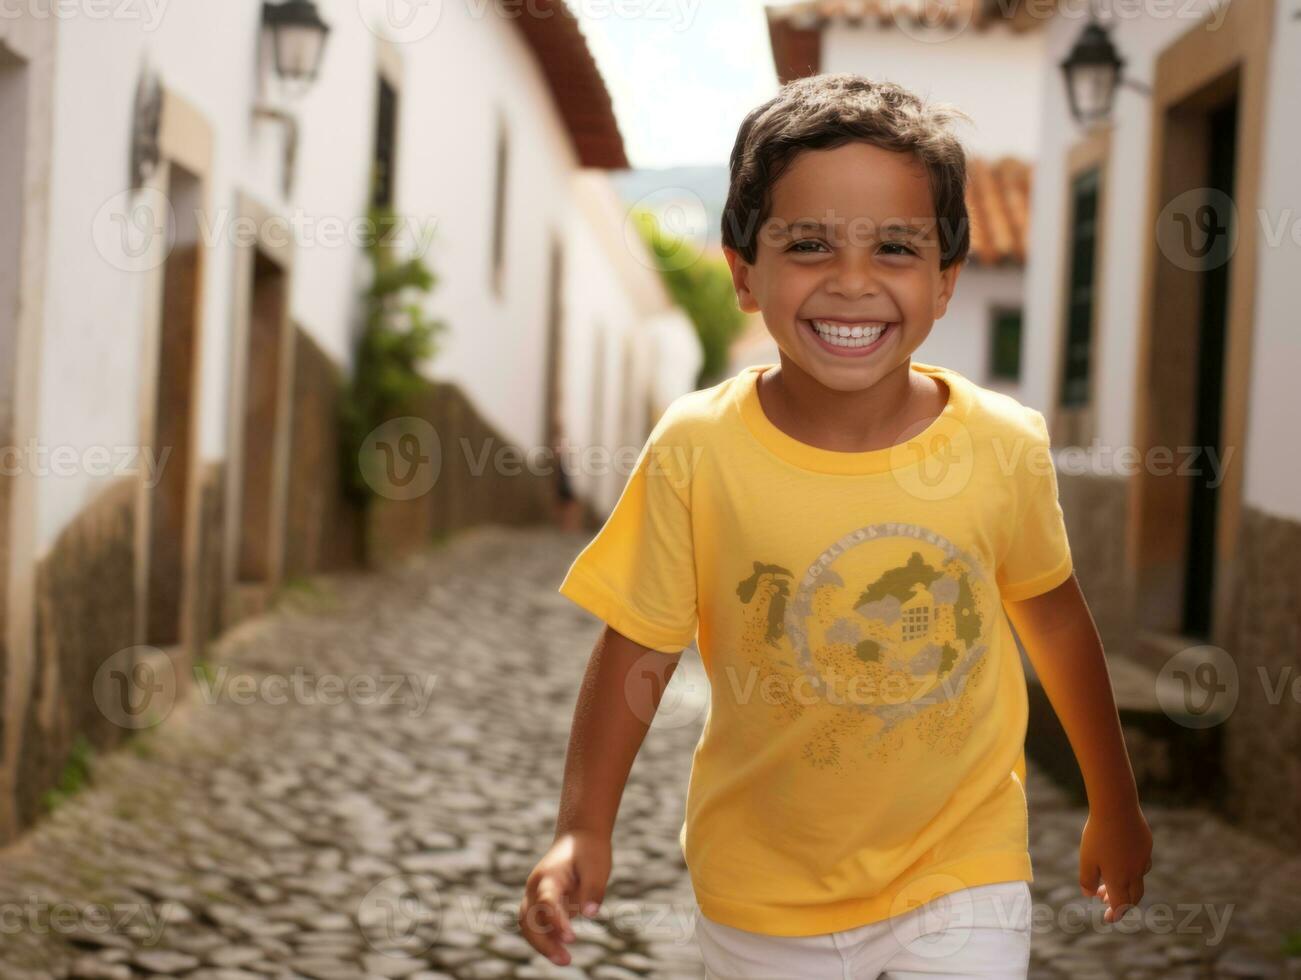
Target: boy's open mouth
{"type": "Point", "coordinates": [849, 339]}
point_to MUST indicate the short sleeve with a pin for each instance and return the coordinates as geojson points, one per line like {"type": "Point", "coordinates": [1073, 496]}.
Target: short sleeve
{"type": "Point", "coordinates": [638, 574]}
{"type": "Point", "coordinates": [1037, 553]}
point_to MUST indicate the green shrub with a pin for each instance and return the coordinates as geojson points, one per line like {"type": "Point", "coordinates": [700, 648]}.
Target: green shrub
{"type": "Point", "coordinates": [75, 775]}
{"type": "Point", "coordinates": [702, 288]}
{"type": "Point", "coordinates": [396, 340]}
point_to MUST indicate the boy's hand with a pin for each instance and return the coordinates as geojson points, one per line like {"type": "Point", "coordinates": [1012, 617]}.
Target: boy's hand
{"type": "Point", "coordinates": [1116, 848]}
{"type": "Point", "coordinates": [569, 880]}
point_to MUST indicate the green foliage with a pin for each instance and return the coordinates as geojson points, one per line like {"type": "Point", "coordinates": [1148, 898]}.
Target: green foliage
{"type": "Point", "coordinates": [204, 671]}
{"type": "Point", "coordinates": [306, 592]}
{"type": "Point", "coordinates": [702, 287]}
{"type": "Point", "coordinates": [141, 744]}
{"type": "Point", "coordinates": [1292, 944]}
{"type": "Point", "coordinates": [75, 775]}
{"type": "Point", "coordinates": [397, 338]}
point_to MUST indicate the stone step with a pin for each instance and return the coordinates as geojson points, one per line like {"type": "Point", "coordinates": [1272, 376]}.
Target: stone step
{"type": "Point", "coordinates": [245, 600]}
{"type": "Point", "coordinates": [1171, 727]}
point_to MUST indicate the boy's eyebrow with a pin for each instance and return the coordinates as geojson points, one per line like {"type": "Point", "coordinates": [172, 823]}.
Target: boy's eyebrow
{"type": "Point", "coordinates": [892, 227]}
{"type": "Point", "coordinates": [907, 229]}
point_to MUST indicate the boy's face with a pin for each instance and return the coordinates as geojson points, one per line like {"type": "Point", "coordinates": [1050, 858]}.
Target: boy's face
{"type": "Point", "coordinates": [854, 263]}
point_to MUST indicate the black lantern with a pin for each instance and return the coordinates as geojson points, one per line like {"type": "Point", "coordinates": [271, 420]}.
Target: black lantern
{"type": "Point", "coordinates": [1093, 72]}
{"type": "Point", "coordinates": [298, 38]}
{"type": "Point", "coordinates": [145, 121]}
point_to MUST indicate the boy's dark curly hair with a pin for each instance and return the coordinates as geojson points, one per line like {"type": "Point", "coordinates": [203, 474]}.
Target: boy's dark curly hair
{"type": "Point", "coordinates": [826, 111]}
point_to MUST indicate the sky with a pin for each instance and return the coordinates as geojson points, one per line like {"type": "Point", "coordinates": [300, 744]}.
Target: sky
{"type": "Point", "coordinates": [682, 73]}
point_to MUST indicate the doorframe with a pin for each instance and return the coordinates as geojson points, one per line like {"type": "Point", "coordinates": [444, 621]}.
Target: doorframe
{"type": "Point", "coordinates": [1185, 71]}
{"type": "Point", "coordinates": [279, 250]}
{"type": "Point", "coordinates": [185, 139]}
{"type": "Point", "coordinates": [31, 41]}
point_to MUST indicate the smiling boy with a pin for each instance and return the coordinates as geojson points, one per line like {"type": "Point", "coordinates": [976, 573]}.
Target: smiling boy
{"type": "Point", "coordinates": [850, 536]}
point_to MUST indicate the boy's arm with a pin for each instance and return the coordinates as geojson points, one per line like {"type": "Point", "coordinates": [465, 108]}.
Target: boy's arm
{"type": "Point", "coordinates": [617, 701]}
{"type": "Point", "coordinates": [1062, 642]}
{"type": "Point", "coordinates": [620, 693]}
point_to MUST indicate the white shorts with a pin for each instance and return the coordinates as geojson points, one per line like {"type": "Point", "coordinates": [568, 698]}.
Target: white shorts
{"type": "Point", "coordinates": [978, 932]}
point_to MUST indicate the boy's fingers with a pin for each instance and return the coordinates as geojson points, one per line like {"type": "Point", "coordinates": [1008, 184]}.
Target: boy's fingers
{"type": "Point", "coordinates": [590, 898]}
{"type": "Point", "coordinates": [1090, 878]}
{"type": "Point", "coordinates": [1136, 890]}
{"type": "Point", "coordinates": [543, 920]}
{"type": "Point", "coordinates": [552, 893]}
{"type": "Point", "coordinates": [1120, 899]}
{"type": "Point", "coordinates": [539, 939]}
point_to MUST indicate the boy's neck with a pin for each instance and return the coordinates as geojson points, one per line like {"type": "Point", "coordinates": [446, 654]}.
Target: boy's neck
{"type": "Point", "coordinates": [901, 403]}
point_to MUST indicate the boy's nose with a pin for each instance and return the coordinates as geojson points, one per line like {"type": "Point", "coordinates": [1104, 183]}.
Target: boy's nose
{"type": "Point", "coordinates": [853, 277]}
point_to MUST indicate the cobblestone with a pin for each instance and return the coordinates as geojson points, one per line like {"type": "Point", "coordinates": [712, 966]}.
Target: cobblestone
{"type": "Point", "coordinates": [345, 835]}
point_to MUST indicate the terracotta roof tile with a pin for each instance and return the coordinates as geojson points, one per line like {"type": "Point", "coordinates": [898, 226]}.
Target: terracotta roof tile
{"type": "Point", "coordinates": [998, 204]}
{"type": "Point", "coordinates": [552, 33]}
{"type": "Point", "coordinates": [981, 14]}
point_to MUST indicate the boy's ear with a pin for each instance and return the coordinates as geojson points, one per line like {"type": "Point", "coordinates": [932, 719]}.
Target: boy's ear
{"type": "Point", "coordinates": [948, 282]}
{"type": "Point", "coordinates": [741, 280]}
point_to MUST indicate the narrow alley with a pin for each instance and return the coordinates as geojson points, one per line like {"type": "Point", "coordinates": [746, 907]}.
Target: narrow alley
{"type": "Point", "coordinates": [287, 820]}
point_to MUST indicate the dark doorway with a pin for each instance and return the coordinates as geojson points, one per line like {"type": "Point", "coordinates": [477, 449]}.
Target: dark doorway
{"type": "Point", "coordinates": [1186, 395]}
{"type": "Point", "coordinates": [554, 436]}
{"type": "Point", "coordinates": [262, 398]}
{"type": "Point", "coordinates": [384, 160]}
{"type": "Point", "coordinates": [175, 412]}
{"type": "Point", "coordinates": [1199, 579]}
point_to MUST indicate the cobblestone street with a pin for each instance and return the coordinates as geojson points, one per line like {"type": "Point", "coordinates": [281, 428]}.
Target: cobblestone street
{"type": "Point", "coordinates": [388, 834]}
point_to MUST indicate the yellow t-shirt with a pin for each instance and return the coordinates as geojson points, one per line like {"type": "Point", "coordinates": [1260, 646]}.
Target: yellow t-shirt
{"type": "Point", "coordinates": [863, 750]}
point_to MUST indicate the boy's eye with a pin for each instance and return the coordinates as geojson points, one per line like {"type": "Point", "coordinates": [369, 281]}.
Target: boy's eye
{"type": "Point", "coordinates": [815, 245]}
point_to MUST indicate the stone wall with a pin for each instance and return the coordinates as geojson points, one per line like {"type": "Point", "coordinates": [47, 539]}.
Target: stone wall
{"type": "Point", "coordinates": [463, 494]}
{"type": "Point", "coordinates": [86, 598]}
{"type": "Point", "coordinates": [322, 527]}
{"type": "Point", "coordinates": [85, 613]}
{"type": "Point", "coordinates": [1263, 734]}
{"type": "Point", "coordinates": [1095, 511]}
{"type": "Point", "coordinates": [1249, 767]}
{"type": "Point", "coordinates": [1172, 764]}
{"type": "Point", "coordinates": [325, 530]}
{"type": "Point", "coordinates": [209, 593]}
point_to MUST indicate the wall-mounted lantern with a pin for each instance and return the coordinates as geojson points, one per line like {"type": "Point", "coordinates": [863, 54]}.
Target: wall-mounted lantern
{"type": "Point", "coordinates": [146, 117]}
{"type": "Point", "coordinates": [1093, 71]}
{"type": "Point", "coordinates": [297, 36]}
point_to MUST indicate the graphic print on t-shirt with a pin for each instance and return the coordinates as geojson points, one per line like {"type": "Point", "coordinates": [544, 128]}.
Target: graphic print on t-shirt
{"type": "Point", "coordinates": [880, 641]}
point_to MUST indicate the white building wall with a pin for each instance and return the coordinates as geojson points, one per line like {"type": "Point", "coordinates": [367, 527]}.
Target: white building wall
{"type": "Point", "coordinates": [92, 343]}
{"type": "Point", "coordinates": [1271, 476]}
{"type": "Point", "coordinates": [598, 303]}
{"type": "Point", "coordinates": [1273, 466]}
{"type": "Point", "coordinates": [961, 338]}
{"type": "Point", "coordinates": [993, 76]}
{"type": "Point", "coordinates": [93, 333]}
{"type": "Point", "coordinates": [678, 356]}
{"type": "Point", "coordinates": [1123, 232]}
{"type": "Point", "coordinates": [457, 80]}
{"type": "Point", "coordinates": [622, 335]}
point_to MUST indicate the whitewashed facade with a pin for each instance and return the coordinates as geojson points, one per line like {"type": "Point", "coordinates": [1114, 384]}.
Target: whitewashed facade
{"type": "Point", "coordinates": [119, 341]}
{"type": "Point", "coordinates": [1177, 470]}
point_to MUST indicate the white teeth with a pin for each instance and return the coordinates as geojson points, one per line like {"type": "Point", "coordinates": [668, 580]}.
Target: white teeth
{"type": "Point", "coordinates": [849, 335]}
